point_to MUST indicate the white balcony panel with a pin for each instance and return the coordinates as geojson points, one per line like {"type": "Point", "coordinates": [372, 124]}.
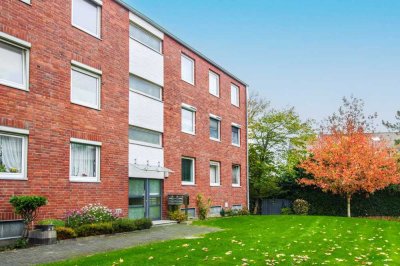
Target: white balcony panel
{"type": "Point", "coordinates": [145, 112]}
{"type": "Point", "coordinates": [146, 63]}
{"type": "Point", "coordinates": [145, 25]}
{"type": "Point", "coordinates": [144, 155]}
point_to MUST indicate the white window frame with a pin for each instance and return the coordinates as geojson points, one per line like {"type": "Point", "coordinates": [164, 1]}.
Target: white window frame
{"type": "Point", "coordinates": [82, 179]}
{"type": "Point", "coordinates": [147, 143]}
{"type": "Point", "coordinates": [26, 1]}
{"type": "Point", "coordinates": [90, 71]}
{"type": "Point", "coordinates": [240, 169]}
{"type": "Point", "coordinates": [193, 72]}
{"type": "Point", "coordinates": [237, 104]}
{"type": "Point", "coordinates": [25, 47]}
{"type": "Point", "coordinates": [192, 109]}
{"type": "Point", "coordinates": [237, 207]}
{"type": "Point", "coordinates": [23, 134]}
{"type": "Point", "coordinates": [215, 117]}
{"type": "Point", "coordinates": [212, 73]}
{"type": "Point", "coordinates": [238, 127]}
{"type": "Point", "coordinates": [216, 214]}
{"type": "Point", "coordinates": [218, 165]}
{"type": "Point", "coordinates": [186, 183]}
{"type": "Point", "coordinates": [99, 4]}
{"type": "Point", "coordinates": [140, 27]}
{"type": "Point", "coordinates": [160, 98]}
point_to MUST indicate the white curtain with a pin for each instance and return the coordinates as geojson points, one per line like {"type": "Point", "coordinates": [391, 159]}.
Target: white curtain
{"type": "Point", "coordinates": [11, 152]}
{"type": "Point", "coordinates": [83, 160]}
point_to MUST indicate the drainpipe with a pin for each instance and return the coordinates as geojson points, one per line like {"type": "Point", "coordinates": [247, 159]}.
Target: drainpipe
{"type": "Point", "coordinates": [247, 151]}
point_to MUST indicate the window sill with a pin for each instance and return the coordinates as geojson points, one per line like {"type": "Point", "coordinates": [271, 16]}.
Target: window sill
{"type": "Point", "coordinates": [188, 184]}
{"type": "Point", "coordinates": [217, 140]}
{"type": "Point", "coordinates": [235, 145]}
{"type": "Point", "coordinates": [79, 180]}
{"type": "Point", "coordinates": [13, 178]}
{"type": "Point", "coordinates": [144, 144]}
{"type": "Point", "coordinates": [237, 186]}
{"type": "Point", "coordinates": [146, 95]}
{"type": "Point", "coordinates": [87, 32]}
{"type": "Point", "coordinates": [85, 105]}
{"type": "Point", "coordinates": [188, 82]}
{"type": "Point", "coordinates": [237, 106]}
{"type": "Point", "coordinates": [215, 185]}
{"type": "Point", "coordinates": [14, 86]}
{"type": "Point", "coordinates": [190, 133]}
{"type": "Point", "coordinates": [216, 96]}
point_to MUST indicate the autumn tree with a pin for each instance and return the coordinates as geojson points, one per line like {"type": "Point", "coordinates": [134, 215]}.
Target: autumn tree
{"type": "Point", "coordinates": [346, 160]}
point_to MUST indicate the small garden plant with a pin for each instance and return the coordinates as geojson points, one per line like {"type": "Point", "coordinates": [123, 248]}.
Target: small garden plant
{"type": "Point", "coordinates": [301, 207]}
{"type": "Point", "coordinates": [92, 213]}
{"type": "Point", "coordinates": [203, 207]}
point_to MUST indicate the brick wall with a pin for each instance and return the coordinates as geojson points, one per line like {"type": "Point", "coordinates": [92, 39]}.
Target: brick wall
{"type": "Point", "coordinates": [46, 110]}
{"type": "Point", "coordinates": [178, 144]}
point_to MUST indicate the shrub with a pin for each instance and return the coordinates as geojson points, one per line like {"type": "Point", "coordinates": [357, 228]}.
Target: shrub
{"type": "Point", "coordinates": [243, 211]}
{"type": "Point", "coordinates": [202, 206]}
{"type": "Point", "coordinates": [55, 222]}
{"type": "Point", "coordinates": [92, 213]}
{"type": "Point", "coordinates": [222, 212]}
{"type": "Point", "coordinates": [95, 229]}
{"type": "Point", "coordinates": [27, 207]}
{"type": "Point", "coordinates": [124, 225]}
{"type": "Point", "coordinates": [286, 211]}
{"type": "Point", "coordinates": [178, 216]}
{"type": "Point", "coordinates": [143, 223]}
{"type": "Point", "coordinates": [65, 233]}
{"type": "Point", "coordinates": [301, 207]}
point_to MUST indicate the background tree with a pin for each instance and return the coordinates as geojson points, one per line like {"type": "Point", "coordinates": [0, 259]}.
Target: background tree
{"type": "Point", "coordinates": [277, 142]}
{"type": "Point", "coordinates": [394, 126]}
{"type": "Point", "coordinates": [346, 160]}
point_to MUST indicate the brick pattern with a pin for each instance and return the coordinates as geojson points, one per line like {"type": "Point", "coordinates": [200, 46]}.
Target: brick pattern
{"type": "Point", "coordinates": [46, 110]}
{"type": "Point", "coordinates": [199, 146]}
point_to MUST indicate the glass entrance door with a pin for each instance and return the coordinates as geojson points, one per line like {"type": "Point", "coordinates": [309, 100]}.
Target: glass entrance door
{"type": "Point", "coordinates": [145, 198]}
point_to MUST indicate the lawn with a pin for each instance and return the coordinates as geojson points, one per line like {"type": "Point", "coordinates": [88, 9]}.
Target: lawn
{"type": "Point", "coordinates": [270, 240]}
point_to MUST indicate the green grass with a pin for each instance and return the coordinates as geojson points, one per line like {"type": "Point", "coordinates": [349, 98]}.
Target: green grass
{"type": "Point", "coordinates": [270, 240]}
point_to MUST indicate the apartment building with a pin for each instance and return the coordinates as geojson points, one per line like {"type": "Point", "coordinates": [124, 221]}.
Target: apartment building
{"type": "Point", "coordinates": [99, 104]}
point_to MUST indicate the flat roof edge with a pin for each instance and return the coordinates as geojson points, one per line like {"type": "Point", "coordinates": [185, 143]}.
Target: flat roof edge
{"type": "Point", "coordinates": [165, 31]}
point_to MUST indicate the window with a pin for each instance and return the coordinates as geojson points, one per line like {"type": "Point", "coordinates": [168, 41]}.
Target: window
{"type": "Point", "coordinates": [215, 210]}
{"type": "Point", "coordinates": [26, 1]}
{"type": "Point", "coordinates": [235, 135]}
{"type": "Point", "coordinates": [237, 207]}
{"type": "Point", "coordinates": [187, 69]}
{"type": "Point", "coordinates": [13, 156]}
{"type": "Point", "coordinates": [188, 120]}
{"type": "Point", "coordinates": [86, 15]}
{"type": "Point", "coordinates": [14, 63]}
{"type": "Point", "coordinates": [85, 161]}
{"type": "Point", "coordinates": [213, 80]}
{"type": "Point", "coordinates": [215, 128]}
{"type": "Point", "coordinates": [235, 95]}
{"type": "Point", "coordinates": [85, 86]}
{"type": "Point", "coordinates": [145, 136]}
{"type": "Point", "coordinates": [187, 171]}
{"type": "Point", "coordinates": [191, 212]}
{"type": "Point", "coordinates": [236, 175]}
{"type": "Point", "coordinates": [146, 87]}
{"type": "Point", "coordinates": [144, 37]}
{"type": "Point", "coordinates": [215, 179]}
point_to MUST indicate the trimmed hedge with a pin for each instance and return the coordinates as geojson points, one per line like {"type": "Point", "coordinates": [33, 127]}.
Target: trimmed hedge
{"type": "Point", "coordinates": [95, 229]}
{"type": "Point", "coordinates": [65, 233]}
{"type": "Point", "coordinates": [124, 225]}
{"type": "Point", "coordinates": [381, 203]}
{"type": "Point", "coordinates": [143, 223]}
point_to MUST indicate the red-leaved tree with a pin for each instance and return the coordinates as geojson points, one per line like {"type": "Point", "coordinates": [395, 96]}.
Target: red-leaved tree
{"type": "Point", "coordinates": [347, 163]}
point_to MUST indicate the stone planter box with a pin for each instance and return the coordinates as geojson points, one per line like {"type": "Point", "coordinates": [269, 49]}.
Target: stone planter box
{"type": "Point", "coordinates": [10, 232]}
{"type": "Point", "coordinates": [43, 235]}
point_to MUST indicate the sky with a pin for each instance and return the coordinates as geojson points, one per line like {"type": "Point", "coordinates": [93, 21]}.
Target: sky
{"type": "Point", "coordinates": [307, 54]}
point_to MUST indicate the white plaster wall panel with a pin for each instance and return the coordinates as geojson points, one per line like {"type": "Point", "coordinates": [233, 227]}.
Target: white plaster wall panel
{"type": "Point", "coordinates": [143, 153]}
{"type": "Point", "coordinates": [146, 63]}
{"type": "Point", "coordinates": [145, 112]}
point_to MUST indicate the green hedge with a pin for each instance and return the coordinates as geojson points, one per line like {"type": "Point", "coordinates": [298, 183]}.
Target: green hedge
{"type": "Point", "coordinates": [381, 203]}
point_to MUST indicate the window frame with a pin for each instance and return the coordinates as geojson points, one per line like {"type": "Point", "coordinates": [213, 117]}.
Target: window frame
{"type": "Point", "coordinates": [23, 134]}
{"type": "Point", "coordinates": [87, 70]}
{"type": "Point", "coordinates": [193, 68]}
{"type": "Point", "coordinates": [140, 27]}
{"type": "Point", "coordinates": [142, 143]}
{"type": "Point", "coordinates": [25, 47]}
{"type": "Point", "coordinates": [193, 111]}
{"type": "Point", "coordinates": [143, 93]}
{"type": "Point", "coordinates": [238, 177]}
{"type": "Point", "coordinates": [218, 176]}
{"type": "Point", "coordinates": [218, 119]}
{"type": "Point", "coordinates": [83, 179]}
{"type": "Point", "coordinates": [216, 214]}
{"type": "Point", "coordinates": [193, 182]}
{"type": "Point", "coordinates": [212, 73]}
{"type": "Point", "coordinates": [237, 104]}
{"type": "Point", "coordinates": [99, 4]}
{"type": "Point", "coordinates": [233, 125]}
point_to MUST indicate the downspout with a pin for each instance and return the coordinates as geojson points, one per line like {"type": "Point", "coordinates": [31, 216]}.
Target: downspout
{"type": "Point", "coordinates": [247, 151]}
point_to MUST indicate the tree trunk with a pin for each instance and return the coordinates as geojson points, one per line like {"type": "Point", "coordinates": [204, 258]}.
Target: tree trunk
{"type": "Point", "coordinates": [348, 206]}
{"type": "Point", "coordinates": [255, 211]}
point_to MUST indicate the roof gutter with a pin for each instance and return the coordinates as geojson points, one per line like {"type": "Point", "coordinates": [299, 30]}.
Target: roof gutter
{"type": "Point", "coordinates": [160, 28]}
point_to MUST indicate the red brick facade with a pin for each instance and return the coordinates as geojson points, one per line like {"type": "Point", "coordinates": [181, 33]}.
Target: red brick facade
{"type": "Point", "coordinates": [200, 146]}
{"type": "Point", "coordinates": [46, 110]}
{"type": "Point", "coordinates": [52, 120]}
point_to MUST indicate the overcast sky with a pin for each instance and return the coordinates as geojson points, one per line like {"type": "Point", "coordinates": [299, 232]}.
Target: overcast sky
{"type": "Point", "coordinates": [307, 54]}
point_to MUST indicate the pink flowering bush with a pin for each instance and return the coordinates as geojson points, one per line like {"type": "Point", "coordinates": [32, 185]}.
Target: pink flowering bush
{"type": "Point", "coordinates": [90, 214]}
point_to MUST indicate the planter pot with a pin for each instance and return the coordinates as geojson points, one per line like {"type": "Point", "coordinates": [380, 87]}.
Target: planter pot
{"type": "Point", "coordinates": [44, 227]}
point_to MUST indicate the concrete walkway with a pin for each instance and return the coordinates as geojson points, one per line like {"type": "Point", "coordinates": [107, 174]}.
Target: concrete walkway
{"type": "Point", "coordinates": [90, 245]}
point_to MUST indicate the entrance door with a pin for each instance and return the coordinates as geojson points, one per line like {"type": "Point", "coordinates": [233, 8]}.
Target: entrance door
{"type": "Point", "coordinates": [145, 198]}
